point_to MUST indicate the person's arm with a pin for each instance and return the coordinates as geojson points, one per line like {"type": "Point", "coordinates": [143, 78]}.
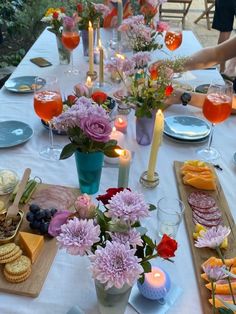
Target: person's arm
{"type": "Point", "coordinates": [210, 56]}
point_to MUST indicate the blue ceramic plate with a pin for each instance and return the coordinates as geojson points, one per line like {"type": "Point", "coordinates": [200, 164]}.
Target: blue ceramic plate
{"type": "Point", "coordinates": [186, 128]}
{"type": "Point", "coordinates": [13, 133]}
{"type": "Point", "coordinates": [23, 84]}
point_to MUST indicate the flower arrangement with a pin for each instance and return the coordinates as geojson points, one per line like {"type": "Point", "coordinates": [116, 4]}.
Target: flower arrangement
{"type": "Point", "coordinates": [117, 245]}
{"type": "Point", "coordinates": [54, 17]}
{"type": "Point", "coordinates": [146, 88]}
{"type": "Point", "coordinates": [88, 126]}
{"type": "Point", "coordinates": [90, 11]}
{"type": "Point", "coordinates": [141, 37]}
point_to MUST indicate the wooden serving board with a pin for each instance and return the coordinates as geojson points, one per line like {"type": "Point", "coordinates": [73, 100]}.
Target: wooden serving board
{"type": "Point", "coordinates": [33, 285]}
{"type": "Point", "coordinates": [200, 255]}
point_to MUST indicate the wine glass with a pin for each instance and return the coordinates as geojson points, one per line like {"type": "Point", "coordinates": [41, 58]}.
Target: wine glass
{"type": "Point", "coordinates": [216, 109]}
{"type": "Point", "coordinates": [48, 104]}
{"type": "Point", "coordinates": [70, 39]}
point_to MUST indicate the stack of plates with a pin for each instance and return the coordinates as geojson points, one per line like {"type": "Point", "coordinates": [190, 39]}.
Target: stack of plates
{"type": "Point", "coordinates": [186, 129]}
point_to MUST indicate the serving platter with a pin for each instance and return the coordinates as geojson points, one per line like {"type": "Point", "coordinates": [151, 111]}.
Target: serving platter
{"type": "Point", "coordinates": [33, 285]}
{"type": "Point", "coordinates": [200, 255]}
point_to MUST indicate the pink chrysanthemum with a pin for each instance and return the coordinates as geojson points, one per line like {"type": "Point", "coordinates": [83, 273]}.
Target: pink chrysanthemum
{"type": "Point", "coordinates": [132, 237]}
{"type": "Point", "coordinates": [78, 236]}
{"type": "Point", "coordinates": [213, 237]}
{"type": "Point", "coordinates": [128, 206]}
{"type": "Point", "coordinates": [214, 273]}
{"type": "Point", "coordinates": [115, 265]}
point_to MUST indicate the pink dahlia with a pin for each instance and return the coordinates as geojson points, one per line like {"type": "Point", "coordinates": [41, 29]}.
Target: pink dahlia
{"type": "Point", "coordinates": [213, 237]}
{"type": "Point", "coordinates": [128, 206]}
{"type": "Point", "coordinates": [115, 265]}
{"type": "Point", "coordinates": [132, 237]}
{"type": "Point", "coordinates": [78, 236]}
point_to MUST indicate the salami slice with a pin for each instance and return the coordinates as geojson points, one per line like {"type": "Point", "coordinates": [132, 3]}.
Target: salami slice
{"type": "Point", "coordinates": [201, 199]}
{"type": "Point", "coordinates": [204, 222]}
{"type": "Point", "coordinates": [209, 210]}
{"type": "Point", "coordinates": [209, 216]}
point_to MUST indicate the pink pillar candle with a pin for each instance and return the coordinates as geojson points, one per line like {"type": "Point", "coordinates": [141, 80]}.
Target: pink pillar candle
{"type": "Point", "coordinates": [121, 124]}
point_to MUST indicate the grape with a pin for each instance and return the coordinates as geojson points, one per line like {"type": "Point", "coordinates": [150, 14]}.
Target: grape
{"type": "Point", "coordinates": [39, 215]}
{"type": "Point", "coordinates": [43, 227]}
{"type": "Point", "coordinates": [36, 224]}
{"type": "Point", "coordinates": [48, 214]}
{"type": "Point", "coordinates": [30, 216]}
{"type": "Point", "coordinates": [53, 211]}
{"type": "Point", "coordinates": [34, 208]}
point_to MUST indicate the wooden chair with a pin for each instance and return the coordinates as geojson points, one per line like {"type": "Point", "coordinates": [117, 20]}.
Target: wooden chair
{"type": "Point", "coordinates": [208, 12]}
{"type": "Point", "coordinates": [175, 9]}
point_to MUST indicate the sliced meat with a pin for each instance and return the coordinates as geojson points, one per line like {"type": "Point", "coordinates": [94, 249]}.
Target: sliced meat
{"type": "Point", "coordinates": [204, 222]}
{"type": "Point", "coordinates": [208, 216]}
{"type": "Point", "coordinates": [209, 210]}
{"type": "Point", "coordinates": [201, 199]}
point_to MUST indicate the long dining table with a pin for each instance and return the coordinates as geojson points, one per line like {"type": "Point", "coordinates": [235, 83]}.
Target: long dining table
{"type": "Point", "coordinates": [69, 281]}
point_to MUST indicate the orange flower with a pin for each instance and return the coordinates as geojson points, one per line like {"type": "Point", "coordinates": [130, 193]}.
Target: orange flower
{"type": "Point", "coordinates": [153, 73]}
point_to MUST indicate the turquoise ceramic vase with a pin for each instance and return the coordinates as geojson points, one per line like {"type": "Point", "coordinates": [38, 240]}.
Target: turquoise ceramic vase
{"type": "Point", "coordinates": [89, 169]}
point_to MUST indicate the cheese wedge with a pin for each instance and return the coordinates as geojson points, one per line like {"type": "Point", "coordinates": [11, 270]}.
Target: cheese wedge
{"type": "Point", "coordinates": [32, 244]}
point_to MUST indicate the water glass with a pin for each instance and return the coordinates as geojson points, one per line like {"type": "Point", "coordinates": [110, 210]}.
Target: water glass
{"type": "Point", "coordinates": [169, 216]}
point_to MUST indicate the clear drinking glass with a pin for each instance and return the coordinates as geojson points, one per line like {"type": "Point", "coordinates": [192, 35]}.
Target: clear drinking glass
{"type": "Point", "coordinates": [216, 109]}
{"type": "Point", "coordinates": [48, 104]}
{"type": "Point", "coordinates": [70, 39]}
{"type": "Point", "coordinates": [169, 216]}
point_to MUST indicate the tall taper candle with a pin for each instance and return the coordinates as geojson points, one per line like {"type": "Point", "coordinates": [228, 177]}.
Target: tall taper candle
{"type": "Point", "coordinates": [124, 166]}
{"type": "Point", "coordinates": [98, 33]}
{"type": "Point", "coordinates": [156, 142]}
{"type": "Point", "coordinates": [119, 16]}
{"type": "Point", "coordinates": [101, 64]}
{"type": "Point", "coordinates": [91, 61]}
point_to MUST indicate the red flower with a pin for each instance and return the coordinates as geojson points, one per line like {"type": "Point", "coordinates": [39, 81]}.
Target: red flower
{"type": "Point", "coordinates": [167, 247]}
{"type": "Point", "coordinates": [99, 97]}
{"type": "Point", "coordinates": [63, 10]}
{"type": "Point", "coordinates": [55, 15]}
{"type": "Point", "coordinates": [71, 99]}
{"type": "Point", "coordinates": [168, 91]}
{"type": "Point", "coordinates": [153, 73]}
{"type": "Point", "coordinates": [79, 8]}
{"type": "Point", "coordinates": [110, 192]}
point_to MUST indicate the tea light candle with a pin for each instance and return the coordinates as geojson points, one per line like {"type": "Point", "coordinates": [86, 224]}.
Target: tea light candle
{"type": "Point", "coordinates": [121, 124]}
{"type": "Point", "coordinates": [89, 84]}
{"type": "Point", "coordinates": [119, 137]}
{"type": "Point", "coordinates": [124, 166]}
{"type": "Point", "coordinates": [156, 284]}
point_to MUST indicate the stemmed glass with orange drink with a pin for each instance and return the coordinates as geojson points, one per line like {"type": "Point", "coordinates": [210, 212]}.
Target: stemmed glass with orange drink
{"type": "Point", "coordinates": [70, 39]}
{"type": "Point", "coordinates": [48, 104]}
{"type": "Point", "coordinates": [216, 109]}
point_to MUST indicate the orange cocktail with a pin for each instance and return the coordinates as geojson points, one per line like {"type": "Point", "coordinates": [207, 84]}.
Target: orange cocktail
{"type": "Point", "coordinates": [47, 104]}
{"type": "Point", "coordinates": [173, 39]}
{"type": "Point", "coordinates": [70, 39]}
{"type": "Point", "coordinates": [217, 107]}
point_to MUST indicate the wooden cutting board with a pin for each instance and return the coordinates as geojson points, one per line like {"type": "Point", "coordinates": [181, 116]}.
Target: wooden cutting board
{"type": "Point", "coordinates": [200, 255]}
{"type": "Point", "coordinates": [33, 285]}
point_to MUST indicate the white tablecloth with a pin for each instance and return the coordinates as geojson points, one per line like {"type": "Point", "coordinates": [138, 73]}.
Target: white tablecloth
{"type": "Point", "coordinates": [69, 282]}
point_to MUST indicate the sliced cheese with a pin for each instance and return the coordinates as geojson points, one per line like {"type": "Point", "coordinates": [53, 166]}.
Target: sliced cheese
{"type": "Point", "coordinates": [32, 244]}
{"type": "Point", "coordinates": [201, 183]}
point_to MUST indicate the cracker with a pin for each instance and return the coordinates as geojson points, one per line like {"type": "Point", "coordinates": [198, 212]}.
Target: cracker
{"type": "Point", "coordinates": [17, 278]}
{"type": "Point", "coordinates": [15, 251]}
{"type": "Point", "coordinates": [20, 266]}
{"type": "Point", "coordinates": [12, 258]}
{"type": "Point", "coordinates": [6, 248]}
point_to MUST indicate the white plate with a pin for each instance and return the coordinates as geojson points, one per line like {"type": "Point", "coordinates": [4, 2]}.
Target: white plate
{"type": "Point", "coordinates": [186, 128]}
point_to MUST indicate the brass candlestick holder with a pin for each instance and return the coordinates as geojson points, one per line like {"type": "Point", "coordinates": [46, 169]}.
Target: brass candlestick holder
{"type": "Point", "coordinates": [93, 75]}
{"type": "Point", "coordinates": [147, 182]}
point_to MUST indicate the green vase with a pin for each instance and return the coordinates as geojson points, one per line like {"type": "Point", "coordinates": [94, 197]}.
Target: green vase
{"type": "Point", "coordinates": [89, 169]}
{"type": "Point", "coordinates": [113, 300]}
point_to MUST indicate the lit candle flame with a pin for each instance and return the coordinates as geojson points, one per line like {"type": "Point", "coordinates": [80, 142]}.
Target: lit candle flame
{"type": "Point", "coordinates": [157, 275]}
{"type": "Point", "coordinates": [90, 24]}
{"type": "Point", "coordinates": [120, 152]}
{"type": "Point", "coordinates": [120, 120]}
{"type": "Point", "coordinates": [89, 82]}
{"type": "Point", "coordinates": [114, 129]}
{"type": "Point", "coordinates": [120, 56]}
{"type": "Point", "coordinates": [99, 43]}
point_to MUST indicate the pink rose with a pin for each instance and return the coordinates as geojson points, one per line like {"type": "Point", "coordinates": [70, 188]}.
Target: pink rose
{"type": "Point", "coordinates": [84, 206]}
{"type": "Point", "coordinates": [81, 90]}
{"type": "Point", "coordinates": [162, 26]}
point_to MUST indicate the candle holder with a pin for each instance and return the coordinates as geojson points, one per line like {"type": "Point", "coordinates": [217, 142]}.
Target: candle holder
{"type": "Point", "coordinates": [147, 183]}
{"type": "Point", "coordinates": [93, 75]}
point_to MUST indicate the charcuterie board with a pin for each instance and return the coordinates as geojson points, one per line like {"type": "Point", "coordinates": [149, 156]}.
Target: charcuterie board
{"type": "Point", "coordinates": [200, 255]}
{"type": "Point", "coordinates": [33, 285]}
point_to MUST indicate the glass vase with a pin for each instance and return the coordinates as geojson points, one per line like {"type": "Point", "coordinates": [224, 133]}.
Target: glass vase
{"type": "Point", "coordinates": [113, 300]}
{"type": "Point", "coordinates": [85, 41]}
{"type": "Point", "coordinates": [64, 53]}
{"type": "Point", "coordinates": [144, 129]}
{"type": "Point", "coordinates": [89, 169]}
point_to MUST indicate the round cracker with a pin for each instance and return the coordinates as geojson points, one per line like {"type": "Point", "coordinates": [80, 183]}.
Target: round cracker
{"type": "Point", "coordinates": [12, 258]}
{"type": "Point", "coordinates": [17, 278]}
{"type": "Point", "coordinates": [19, 266]}
{"type": "Point", "coordinates": [15, 251]}
{"type": "Point", "coordinates": [6, 248]}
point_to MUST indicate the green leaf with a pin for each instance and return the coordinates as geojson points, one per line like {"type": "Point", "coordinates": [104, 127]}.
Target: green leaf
{"type": "Point", "coordinates": [148, 250]}
{"type": "Point", "coordinates": [152, 207]}
{"type": "Point", "coordinates": [146, 267]}
{"type": "Point", "coordinates": [117, 226]}
{"type": "Point", "coordinates": [149, 241]}
{"type": "Point", "coordinates": [141, 279]}
{"type": "Point", "coordinates": [68, 151]}
{"type": "Point", "coordinates": [223, 310]}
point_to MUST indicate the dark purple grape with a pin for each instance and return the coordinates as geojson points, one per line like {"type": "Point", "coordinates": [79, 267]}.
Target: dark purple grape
{"type": "Point", "coordinates": [43, 227]}
{"type": "Point", "coordinates": [36, 224]}
{"type": "Point", "coordinates": [30, 216]}
{"type": "Point", "coordinates": [34, 208]}
{"type": "Point", "coordinates": [53, 211]}
{"type": "Point", "coordinates": [48, 214]}
{"type": "Point", "coordinates": [39, 215]}
{"type": "Point", "coordinates": [32, 226]}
